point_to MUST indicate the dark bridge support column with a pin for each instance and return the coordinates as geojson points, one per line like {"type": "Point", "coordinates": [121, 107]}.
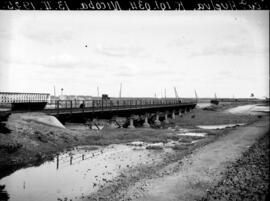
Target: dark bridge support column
{"type": "Point", "coordinates": [146, 124]}
{"type": "Point", "coordinates": [166, 121]}
{"type": "Point", "coordinates": [131, 122]}
{"type": "Point", "coordinates": [157, 122]}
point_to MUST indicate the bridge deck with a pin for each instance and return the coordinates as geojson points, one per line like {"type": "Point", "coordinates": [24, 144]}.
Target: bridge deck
{"type": "Point", "coordinates": [116, 108]}
{"type": "Point", "coordinates": [105, 107]}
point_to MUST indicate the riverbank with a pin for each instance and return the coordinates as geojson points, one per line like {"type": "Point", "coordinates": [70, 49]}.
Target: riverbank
{"type": "Point", "coordinates": [164, 150]}
{"type": "Point", "coordinates": [247, 178]}
{"type": "Point", "coordinates": [203, 169]}
{"type": "Point", "coordinates": [30, 143]}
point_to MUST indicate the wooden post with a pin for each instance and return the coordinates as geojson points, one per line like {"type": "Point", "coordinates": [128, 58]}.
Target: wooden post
{"type": "Point", "coordinates": [102, 104]}
{"type": "Point", "coordinates": [57, 106]}
{"type": "Point", "coordinates": [57, 161]}
{"type": "Point", "coordinates": [71, 106]}
{"type": "Point", "coordinates": [71, 160]}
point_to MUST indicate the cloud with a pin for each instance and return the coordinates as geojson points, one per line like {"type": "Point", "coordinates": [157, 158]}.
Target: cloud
{"type": "Point", "coordinates": [229, 46]}
{"type": "Point", "coordinates": [128, 70]}
{"type": "Point", "coordinates": [61, 61]}
{"type": "Point", "coordinates": [47, 37]}
{"type": "Point", "coordinates": [6, 34]}
{"type": "Point", "coordinates": [160, 60]}
{"type": "Point", "coordinates": [120, 51]}
{"type": "Point", "coordinates": [181, 42]}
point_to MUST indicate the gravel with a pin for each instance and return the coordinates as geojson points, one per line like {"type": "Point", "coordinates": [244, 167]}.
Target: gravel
{"type": "Point", "coordinates": [247, 178]}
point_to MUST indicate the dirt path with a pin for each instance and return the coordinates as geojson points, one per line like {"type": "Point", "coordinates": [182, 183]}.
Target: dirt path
{"type": "Point", "coordinates": [202, 169]}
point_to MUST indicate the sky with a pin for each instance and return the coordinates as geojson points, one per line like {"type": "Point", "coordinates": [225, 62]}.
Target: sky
{"type": "Point", "coordinates": [226, 53]}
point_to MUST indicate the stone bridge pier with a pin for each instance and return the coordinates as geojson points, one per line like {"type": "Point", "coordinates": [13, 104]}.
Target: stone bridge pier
{"type": "Point", "coordinates": [157, 121]}
{"type": "Point", "coordinates": [146, 124]}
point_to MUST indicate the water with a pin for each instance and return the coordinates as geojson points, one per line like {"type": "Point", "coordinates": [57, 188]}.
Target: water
{"type": "Point", "coordinates": [193, 134]}
{"type": "Point", "coordinates": [249, 109]}
{"type": "Point", "coordinates": [77, 173]}
{"type": "Point", "coordinates": [222, 126]}
{"type": "Point", "coordinates": [203, 105]}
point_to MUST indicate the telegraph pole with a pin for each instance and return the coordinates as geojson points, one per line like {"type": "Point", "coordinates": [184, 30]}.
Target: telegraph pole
{"type": "Point", "coordinates": [120, 92]}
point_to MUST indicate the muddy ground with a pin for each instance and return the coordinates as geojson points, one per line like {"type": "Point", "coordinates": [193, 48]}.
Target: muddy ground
{"type": "Point", "coordinates": [30, 143]}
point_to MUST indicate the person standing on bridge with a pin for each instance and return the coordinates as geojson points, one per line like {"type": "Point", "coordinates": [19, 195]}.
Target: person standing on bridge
{"type": "Point", "coordinates": [82, 105]}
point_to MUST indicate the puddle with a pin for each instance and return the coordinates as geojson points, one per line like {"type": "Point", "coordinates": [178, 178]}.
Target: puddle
{"type": "Point", "coordinates": [77, 173]}
{"type": "Point", "coordinates": [220, 126]}
{"type": "Point", "coordinates": [193, 134]}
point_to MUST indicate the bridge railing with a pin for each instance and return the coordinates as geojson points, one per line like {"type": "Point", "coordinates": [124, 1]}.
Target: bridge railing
{"type": "Point", "coordinates": [95, 105]}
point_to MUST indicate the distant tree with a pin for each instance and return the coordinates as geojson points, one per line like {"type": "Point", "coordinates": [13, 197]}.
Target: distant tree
{"type": "Point", "coordinates": [252, 95]}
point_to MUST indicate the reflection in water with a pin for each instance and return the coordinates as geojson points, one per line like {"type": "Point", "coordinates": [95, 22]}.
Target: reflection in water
{"type": "Point", "coordinates": [77, 173]}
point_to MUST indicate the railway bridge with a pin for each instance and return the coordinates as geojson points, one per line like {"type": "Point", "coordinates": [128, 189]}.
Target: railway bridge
{"type": "Point", "coordinates": [134, 109]}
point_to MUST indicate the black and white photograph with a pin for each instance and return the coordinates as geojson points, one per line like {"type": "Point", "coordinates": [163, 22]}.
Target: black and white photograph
{"type": "Point", "coordinates": [134, 105]}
